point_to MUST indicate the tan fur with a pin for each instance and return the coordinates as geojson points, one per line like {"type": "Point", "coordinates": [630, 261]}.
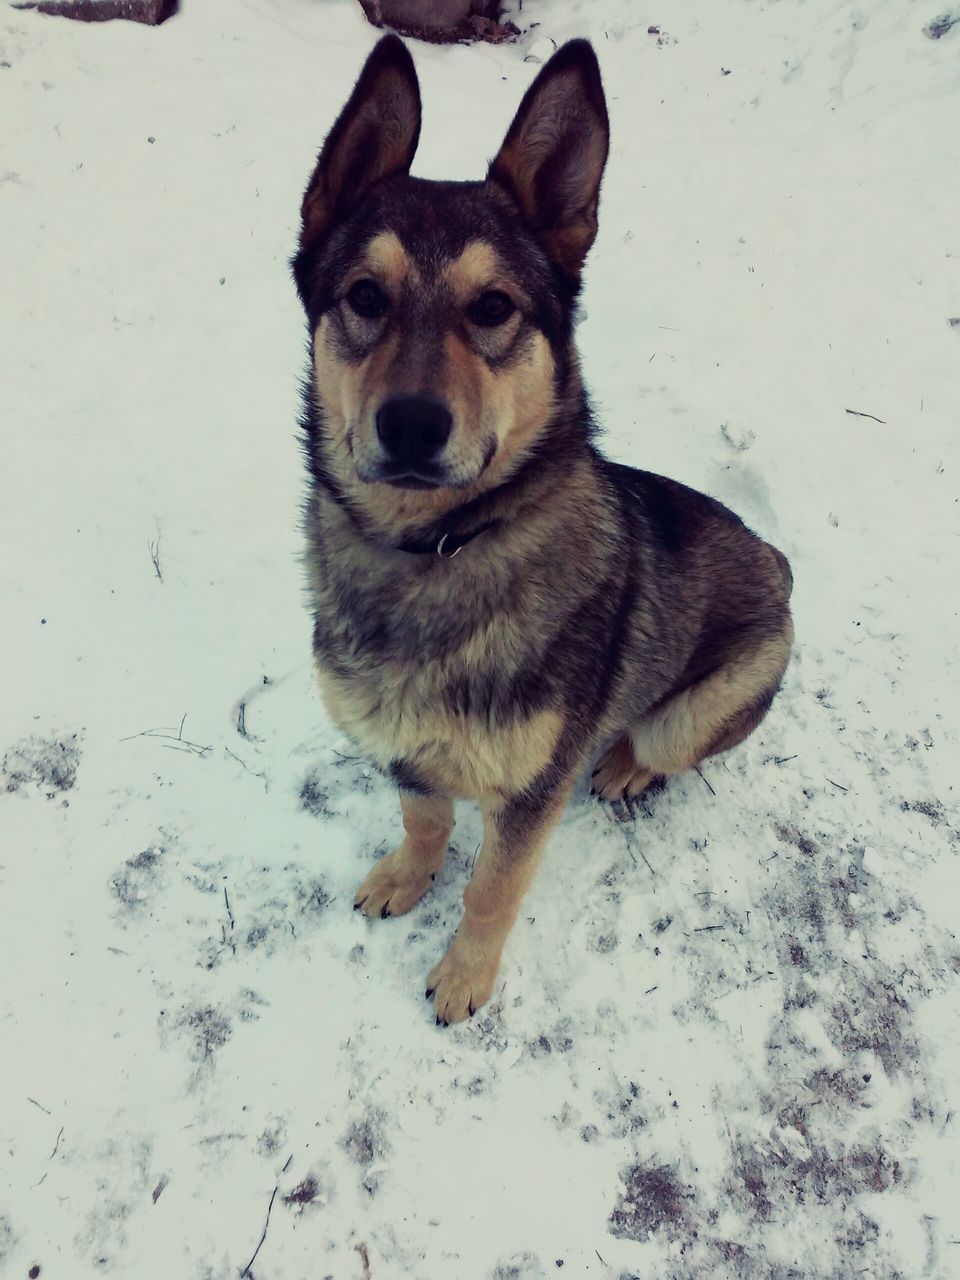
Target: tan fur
{"type": "Point", "coordinates": [337, 387]}
{"type": "Point", "coordinates": [690, 726]}
{"type": "Point", "coordinates": [713, 715]}
{"type": "Point", "coordinates": [511, 405]}
{"type": "Point", "coordinates": [386, 260]}
{"type": "Point", "coordinates": [617, 774]}
{"type": "Point", "coordinates": [399, 716]}
{"type": "Point", "coordinates": [350, 395]}
{"type": "Point", "coordinates": [464, 978]}
{"type": "Point", "coordinates": [519, 404]}
{"type": "Point", "coordinates": [476, 269]}
{"type": "Point", "coordinates": [400, 880]}
{"type": "Point", "coordinates": [462, 386]}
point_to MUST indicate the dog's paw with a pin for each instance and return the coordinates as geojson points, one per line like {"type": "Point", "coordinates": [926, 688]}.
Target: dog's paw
{"type": "Point", "coordinates": [618, 774]}
{"type": "Point", "coordinates": [462, 981]}
{"type": "Point", "coordinates": [395, 884]}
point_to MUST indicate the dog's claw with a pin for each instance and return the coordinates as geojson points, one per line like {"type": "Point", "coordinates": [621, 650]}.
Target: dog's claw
{"type": "Point", "coordinates": [385, 911]}
{"type": "Point", "coordinates": [428, 993]}
{"type": "Point", "coordinates": [358, 905]}
{"type": "Point", "coordinates": [471, 1008]}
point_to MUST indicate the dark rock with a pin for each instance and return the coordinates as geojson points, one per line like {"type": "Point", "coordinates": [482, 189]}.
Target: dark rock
{"type": "Point", "coordinates": [441, 21]}
{"type": "Point", "coordinates": [151, 12]}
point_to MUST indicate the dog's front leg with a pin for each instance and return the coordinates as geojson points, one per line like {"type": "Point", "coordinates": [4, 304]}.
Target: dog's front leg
{"type": "Point", "coordinates": [514, 832]}
{"type": "Point", "coordinates": [402, 878]}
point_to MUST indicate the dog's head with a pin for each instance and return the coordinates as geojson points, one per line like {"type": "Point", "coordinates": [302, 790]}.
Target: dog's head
{"type": "Point", "coordinates": [440, 312]}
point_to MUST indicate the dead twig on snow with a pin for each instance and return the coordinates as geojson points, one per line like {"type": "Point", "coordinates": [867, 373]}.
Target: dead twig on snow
{"type": "Point", "coordinates": [255, 772]}
{"type": "Point", "coordinates": [857, 414]}
{"type": "Point", "coordinates": [154, 549]}
{"type": "Point", "coordinates": [707, 784]}
{"type": "Point", "coordinates": [246, 1272]}
{"type": "Point", "coordinates": [179, 742]}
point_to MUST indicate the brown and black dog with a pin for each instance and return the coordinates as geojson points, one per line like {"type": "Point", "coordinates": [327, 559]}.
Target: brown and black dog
{"type": "Point", "coordinates": [494, 601]}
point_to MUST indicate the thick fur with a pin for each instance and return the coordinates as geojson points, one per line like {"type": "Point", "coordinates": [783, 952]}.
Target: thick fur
{"type": "Point", "coordinates": [597, 606]}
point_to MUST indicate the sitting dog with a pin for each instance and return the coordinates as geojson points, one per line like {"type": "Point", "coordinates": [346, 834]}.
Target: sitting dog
{"type": "Point", "coordinates": [495, 602]}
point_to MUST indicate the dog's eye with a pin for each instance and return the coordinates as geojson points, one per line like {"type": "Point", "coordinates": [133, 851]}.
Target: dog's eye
{"type": "Point", "coordinates": [491, 308]}
{"type": "Point", "coordinates": [367, 299]}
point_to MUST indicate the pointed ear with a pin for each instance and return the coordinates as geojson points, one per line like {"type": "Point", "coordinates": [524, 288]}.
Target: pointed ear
{"type": "Point", "coordinates": [376, 135]}
{"type": "Point", "coordinates": [552, 158]}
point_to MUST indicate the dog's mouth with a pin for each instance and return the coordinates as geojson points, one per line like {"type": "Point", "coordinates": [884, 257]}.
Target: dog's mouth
{"type": "Point", "coordinates": [403, 475]}
{"type": "Point", "coordinates": [412, 478]}
{"type": "Point", "coordinates": [420, 473]}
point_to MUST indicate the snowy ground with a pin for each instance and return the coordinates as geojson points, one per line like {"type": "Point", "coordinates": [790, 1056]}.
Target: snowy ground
{"type": "Point", "coordinates": [726, 1036]}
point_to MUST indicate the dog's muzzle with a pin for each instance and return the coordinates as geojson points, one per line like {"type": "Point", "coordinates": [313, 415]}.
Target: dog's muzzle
{"type": "Point", "coordinates": [413, 431]}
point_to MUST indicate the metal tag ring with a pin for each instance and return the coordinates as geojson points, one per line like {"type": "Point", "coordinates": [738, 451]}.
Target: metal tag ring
{"type": "Point", "coordinates": [452, 553]}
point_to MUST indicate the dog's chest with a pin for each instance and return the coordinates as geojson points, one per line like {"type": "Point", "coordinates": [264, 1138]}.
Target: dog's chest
{"type": "Point", "coordinates": [403, 714]}
{"type": "Point", "coordinates": [423, 673]}
{"type": "Point", "coordinates": [392, 710]}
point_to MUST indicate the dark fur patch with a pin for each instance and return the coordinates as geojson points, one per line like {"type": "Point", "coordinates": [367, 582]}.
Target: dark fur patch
{"type": "Point", "coordinates": [407, 778]}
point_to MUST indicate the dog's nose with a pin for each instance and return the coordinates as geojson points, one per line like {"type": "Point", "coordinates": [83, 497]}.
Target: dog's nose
{"type": "Point", "coordinates": [413, 429]}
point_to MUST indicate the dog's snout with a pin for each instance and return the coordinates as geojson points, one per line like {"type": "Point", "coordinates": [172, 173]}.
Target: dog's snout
{"type": "Point", "coordinates": [413, 429]}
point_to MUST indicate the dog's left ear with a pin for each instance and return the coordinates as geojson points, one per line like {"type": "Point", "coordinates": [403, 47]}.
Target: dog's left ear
{"type": "Point", "coordinates": [375, 136]}
{"type": "Point", "coordinates": [553, 156]}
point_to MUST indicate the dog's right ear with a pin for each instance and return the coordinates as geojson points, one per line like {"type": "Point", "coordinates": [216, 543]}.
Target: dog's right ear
{"type": "Point", "coordinates": [376, 135]}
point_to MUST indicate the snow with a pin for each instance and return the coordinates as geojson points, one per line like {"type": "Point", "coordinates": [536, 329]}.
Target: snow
{"type": "Point", "coordinates": [726, 1035]}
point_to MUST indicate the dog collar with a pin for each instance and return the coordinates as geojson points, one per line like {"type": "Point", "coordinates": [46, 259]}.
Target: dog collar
{"type": "Point", "coordinates": [445, 545]}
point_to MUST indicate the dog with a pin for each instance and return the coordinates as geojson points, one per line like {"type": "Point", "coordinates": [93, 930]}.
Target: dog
{"type": "Point", "coordinates": [494, 602]}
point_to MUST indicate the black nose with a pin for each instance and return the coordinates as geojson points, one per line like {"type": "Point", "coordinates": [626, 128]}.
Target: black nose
{"type": "Point", "coordinates": [413, 429]}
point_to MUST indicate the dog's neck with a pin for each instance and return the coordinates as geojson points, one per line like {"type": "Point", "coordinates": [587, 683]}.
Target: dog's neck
{"type": "Point", "coordinates": [419, 522]}
{"type": "Point", "coordinates": [508, 504]}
